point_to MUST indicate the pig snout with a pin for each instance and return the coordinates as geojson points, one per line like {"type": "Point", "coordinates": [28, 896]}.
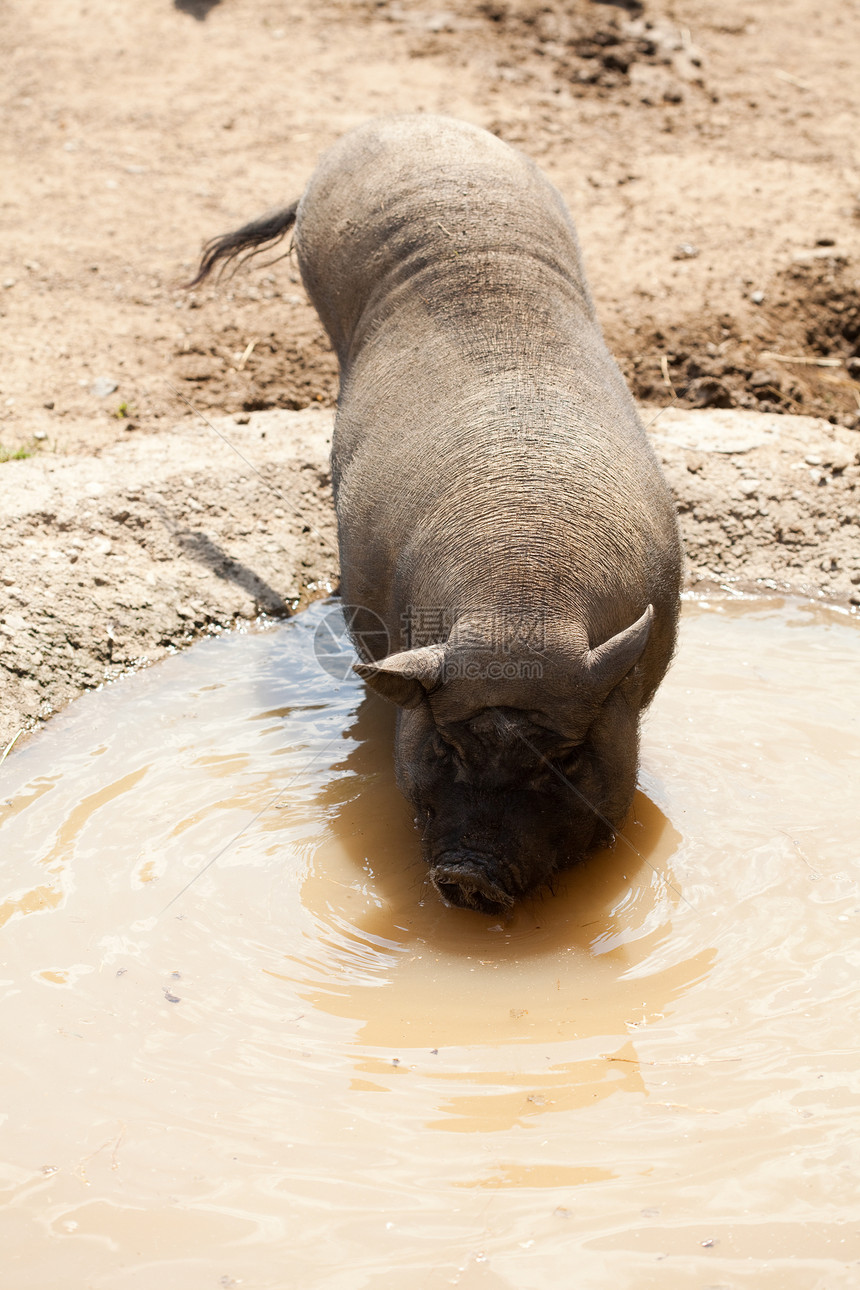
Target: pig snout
{"type": "Point", "coordinates": [487, 853]}
{"type": "Point", "coordinates": [469, 880]}
{"type": "Point", "coordinates": [524, 857]}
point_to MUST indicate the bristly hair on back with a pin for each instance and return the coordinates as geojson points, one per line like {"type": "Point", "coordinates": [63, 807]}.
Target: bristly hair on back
{"type": "Point", "coordinates": [252, 239]}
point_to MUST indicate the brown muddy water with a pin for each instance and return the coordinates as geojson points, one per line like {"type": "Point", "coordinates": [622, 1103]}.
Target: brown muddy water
{"type": "Point", "coordinates": [244, 1044]}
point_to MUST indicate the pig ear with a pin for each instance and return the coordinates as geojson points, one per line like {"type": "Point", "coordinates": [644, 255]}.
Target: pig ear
{"type": "Point", "coordinates": [610, 662]}
{"type": "Point", "coordinates": [405, 678]}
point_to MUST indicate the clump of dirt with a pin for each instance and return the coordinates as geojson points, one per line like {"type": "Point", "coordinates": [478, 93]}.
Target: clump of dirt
{"type": "Point", "coordinates": [599, 50]}
{"type": "Point", "coordinates": [274, 355]}
{"type": "Point", "coordinates": [596, 49]}
{"type": "Point", "coordinates": [831, 316]}
{"type": "Point", "coordinates": [799, 354]}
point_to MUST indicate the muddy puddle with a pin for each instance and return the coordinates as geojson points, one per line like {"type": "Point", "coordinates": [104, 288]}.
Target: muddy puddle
{"type": "Point", "coordinates": [245, 1045]}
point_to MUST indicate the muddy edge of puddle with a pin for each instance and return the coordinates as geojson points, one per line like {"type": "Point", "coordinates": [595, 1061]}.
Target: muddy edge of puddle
{"type": "Point", "coordinates": [109, 563]}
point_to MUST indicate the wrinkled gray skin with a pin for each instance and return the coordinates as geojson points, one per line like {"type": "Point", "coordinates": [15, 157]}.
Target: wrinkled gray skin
{"type": "Point", "coordinates": [488, 461]}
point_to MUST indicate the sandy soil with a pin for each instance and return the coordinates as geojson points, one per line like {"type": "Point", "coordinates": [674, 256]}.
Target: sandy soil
{"type": "Point", "coordinates": [710, 158]}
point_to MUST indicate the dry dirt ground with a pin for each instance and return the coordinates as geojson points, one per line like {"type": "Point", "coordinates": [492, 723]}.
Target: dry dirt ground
{"type": "Point", "coordinates": [709, 154]}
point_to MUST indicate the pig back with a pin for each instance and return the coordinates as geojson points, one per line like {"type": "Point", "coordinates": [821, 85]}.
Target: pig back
{"type": "Point", "coordinates": [398, 202]}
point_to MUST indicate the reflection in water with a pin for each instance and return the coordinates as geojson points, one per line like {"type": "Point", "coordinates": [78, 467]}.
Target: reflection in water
{"type": "Point", "coordinates": [246, 1036]}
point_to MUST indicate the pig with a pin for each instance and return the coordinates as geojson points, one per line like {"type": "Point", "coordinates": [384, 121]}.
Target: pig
{"type": "Point", "coordinates": [499, 507]}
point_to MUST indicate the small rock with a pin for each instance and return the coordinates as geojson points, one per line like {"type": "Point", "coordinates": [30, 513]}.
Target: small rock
{"type": "Point", "coordinates": [761, 378]}
{"type": "Point", "coordinates": [16, 623]}
{"type": "Point", "coordinates": [838, 457]}
{"type": "Point", "coordinates": [757, 297]}
{"type": "Point", "coordinates": [49, 405]}
{"type": "Point", "coordinates": [749, 486]}
{"type": "Point", "coordinates": [40, 435]}
{"type": "Point", "coordinates": [685, 251]}
{"type": "Point", "coordinates": [813, 459]}
{"type": "Point", "coordinates": [855, 578]}
{"type": "Point", "coordinates": [102, 386]}
{"type": "Point", "coordinates": [439, 22]}
{"type": "Point", "coordinates": [708, 392]}
{"type": "Point", "coordinates": [825, 241]}
{"type": "Point", "coordinates": [9, 282]}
